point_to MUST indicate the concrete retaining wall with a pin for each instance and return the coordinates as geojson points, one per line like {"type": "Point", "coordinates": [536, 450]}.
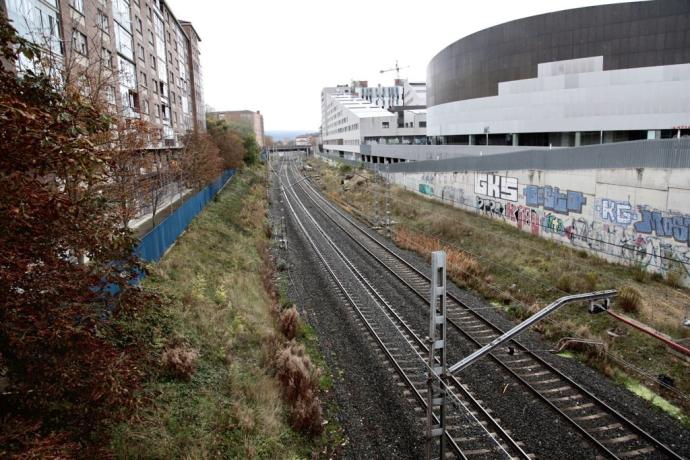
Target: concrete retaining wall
{"type": "Point", "coordinates": [632, 215]}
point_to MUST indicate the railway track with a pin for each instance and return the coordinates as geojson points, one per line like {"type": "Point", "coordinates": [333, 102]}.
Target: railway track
{"type": "Point", "coordinates": [471, 431]}
{"type": "Point", "coordinates": [605, 428]}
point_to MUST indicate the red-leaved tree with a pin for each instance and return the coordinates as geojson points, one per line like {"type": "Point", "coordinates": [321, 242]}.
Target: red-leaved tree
{"type": "Point", "coordinates": [62, 371]}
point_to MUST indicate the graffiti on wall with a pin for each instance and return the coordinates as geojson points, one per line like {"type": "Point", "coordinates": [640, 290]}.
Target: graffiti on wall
{"type": "Point", "coordinates": [552, 199]}
{"type": "Point", "coordinates": [524, 217]}
{"type": "Point", "coordinates": [672, 225]}
{"type": "Point", "coordinates": [551, 223]}
{"type": "Point", "coordinates": [615, 212]}
{"type": "Point", "coordinates": [454, 194]}
{"type": "Point", "coordinates": [426, 189]}
{"type": "Point", "coordinates": [491, 185]}
{"type": "Point", "coordinates": [616, 229]}
{"type": "Point", "coordinates": [627, 245]}
{"type": "Point", "coordinates": [490, 207]}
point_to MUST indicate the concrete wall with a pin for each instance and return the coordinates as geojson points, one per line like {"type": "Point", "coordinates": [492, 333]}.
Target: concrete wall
{"type": "Point", "coordinates": [631, 216]}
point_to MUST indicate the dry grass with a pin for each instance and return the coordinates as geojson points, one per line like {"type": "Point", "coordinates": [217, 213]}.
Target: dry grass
{"type": "Point", "coordinates": [459, 264]}
{"type": "Point", "coordinates": [629, 299]}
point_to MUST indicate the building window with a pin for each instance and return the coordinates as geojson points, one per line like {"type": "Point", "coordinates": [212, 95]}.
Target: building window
{"type": "Point", "coordinates": [103, 22]}
{"type": "Point", "coordinates": [155, 86]}
{"type": "Point", "coordinates": [77, 5]}
{"type": "Point", "coordinates": [142, 54]}
{"type": "Point", "coordinates": [107, 58]}
{"type": "Point", "coordinates": [133, 99]}
{"type": "Point", "coordinates": [143, 80]}
{"type": "Point", "coordinates": [110, 94]}
{"type": "Point", "coordinates": [79, 42]}
{"type": "Point", "coordinates": [138, 24]}
{"type": "Point", "coordinates": [153, 61]}
{"type": "Point", "coordinates": [422, 124]}
{"type": "Point", "coordinates": [385, 124]}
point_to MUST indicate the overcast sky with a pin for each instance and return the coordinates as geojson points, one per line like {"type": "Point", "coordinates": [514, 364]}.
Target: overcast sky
{"type": "Point", "coordinates": [276, 55]}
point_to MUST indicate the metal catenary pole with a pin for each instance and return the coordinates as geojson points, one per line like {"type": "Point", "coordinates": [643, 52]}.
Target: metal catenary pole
{"type": "Point", "coordinates": [387, 198]}
{"type": "Point", "coordinates": [436, 392]}
{"type": "Point", "coordinates": [599, 302]}
{"type": "Point", "coordinates": [376, 197]}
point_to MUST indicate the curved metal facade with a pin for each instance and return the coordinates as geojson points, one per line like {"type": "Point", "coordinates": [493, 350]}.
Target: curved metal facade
{"type": "Point", "coordinates": [628, 35]}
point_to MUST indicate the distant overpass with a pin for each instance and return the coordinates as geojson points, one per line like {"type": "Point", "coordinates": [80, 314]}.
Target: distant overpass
{"type": "Point", "coordinates": [291, 148]}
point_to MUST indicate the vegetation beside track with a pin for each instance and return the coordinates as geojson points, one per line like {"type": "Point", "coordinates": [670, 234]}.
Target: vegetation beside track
{"type": "Point", "coordinates": [520, 273]}
{"type": "Point", "coordinates": [217, 390]}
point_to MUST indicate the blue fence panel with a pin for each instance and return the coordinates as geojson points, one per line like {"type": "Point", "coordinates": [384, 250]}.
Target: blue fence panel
{"type": "Point", "coordinates": [154, 244]}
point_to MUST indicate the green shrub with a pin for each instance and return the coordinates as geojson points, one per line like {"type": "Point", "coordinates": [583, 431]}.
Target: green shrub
{"type": "Point", "coordinates": [565, 283]}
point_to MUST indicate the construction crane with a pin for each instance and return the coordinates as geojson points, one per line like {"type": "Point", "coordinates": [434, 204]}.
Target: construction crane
{"type": "Point", "coordinates": [396, 68]}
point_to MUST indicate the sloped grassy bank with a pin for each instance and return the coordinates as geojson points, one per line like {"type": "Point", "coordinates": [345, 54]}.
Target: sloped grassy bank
{"type": "Point", "coordinates": [218, 388]}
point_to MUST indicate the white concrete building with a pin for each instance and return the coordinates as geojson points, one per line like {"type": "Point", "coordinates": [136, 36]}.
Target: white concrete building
{"type": "Point", "coordinates": [355, 115]}
{"type": "Point", "coordinates": [599, 74]}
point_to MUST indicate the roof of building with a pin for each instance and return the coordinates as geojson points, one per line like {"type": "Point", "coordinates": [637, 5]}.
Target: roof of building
{"type": "Point", "coordinates": [360, 107]}
{"type": "Point", "coordinates": [189, 24]}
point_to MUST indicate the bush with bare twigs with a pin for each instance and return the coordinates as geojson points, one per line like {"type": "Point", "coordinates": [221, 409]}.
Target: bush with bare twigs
{"type": "Point", "coordinates": [299, 379]}
{"type": "Point", "coordinates": [179, 361]}
{"type": "Point", "coordinates": [289, 322]}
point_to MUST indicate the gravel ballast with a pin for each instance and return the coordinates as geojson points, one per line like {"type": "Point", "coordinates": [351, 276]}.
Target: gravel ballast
{"type": "Point", "coordinates": [343, 339]}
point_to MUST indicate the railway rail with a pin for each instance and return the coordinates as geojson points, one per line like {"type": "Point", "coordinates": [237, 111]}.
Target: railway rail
{"type": "Point", "coordinates": [604, 427]}
{"type": "Point", "coordinates": [471, 431]}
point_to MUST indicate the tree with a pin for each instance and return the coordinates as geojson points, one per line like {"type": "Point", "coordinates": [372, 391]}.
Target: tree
{"type": "Point", "coordinates": [243, 131]}
{"type": "Point", "coordinates": [200, 160]}
{"type": "Point", "coordinates": [129, 165]}
{"type": "Point", "coordinates": [61, 244]}
{"type": "Point", "coordinates": [229, 143]}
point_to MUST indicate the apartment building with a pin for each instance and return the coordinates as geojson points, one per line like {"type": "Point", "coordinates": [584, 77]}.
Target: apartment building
{"type": "Point", "coordinates": [246, 117]}
{"type": "Point", "coordinates": [153, 58]}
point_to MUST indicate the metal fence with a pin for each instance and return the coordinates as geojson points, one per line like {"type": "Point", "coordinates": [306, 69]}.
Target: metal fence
{"type": "Point", "coordinates": [664, 153]}
{"type": "Point", "coordinates": [156, 242]}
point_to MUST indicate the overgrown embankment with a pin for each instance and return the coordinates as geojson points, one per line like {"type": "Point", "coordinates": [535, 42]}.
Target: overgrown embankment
{"type": "Point", "coordinates": [228, 383]}
{"type": "Point", "coordinates": [520, 273]}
